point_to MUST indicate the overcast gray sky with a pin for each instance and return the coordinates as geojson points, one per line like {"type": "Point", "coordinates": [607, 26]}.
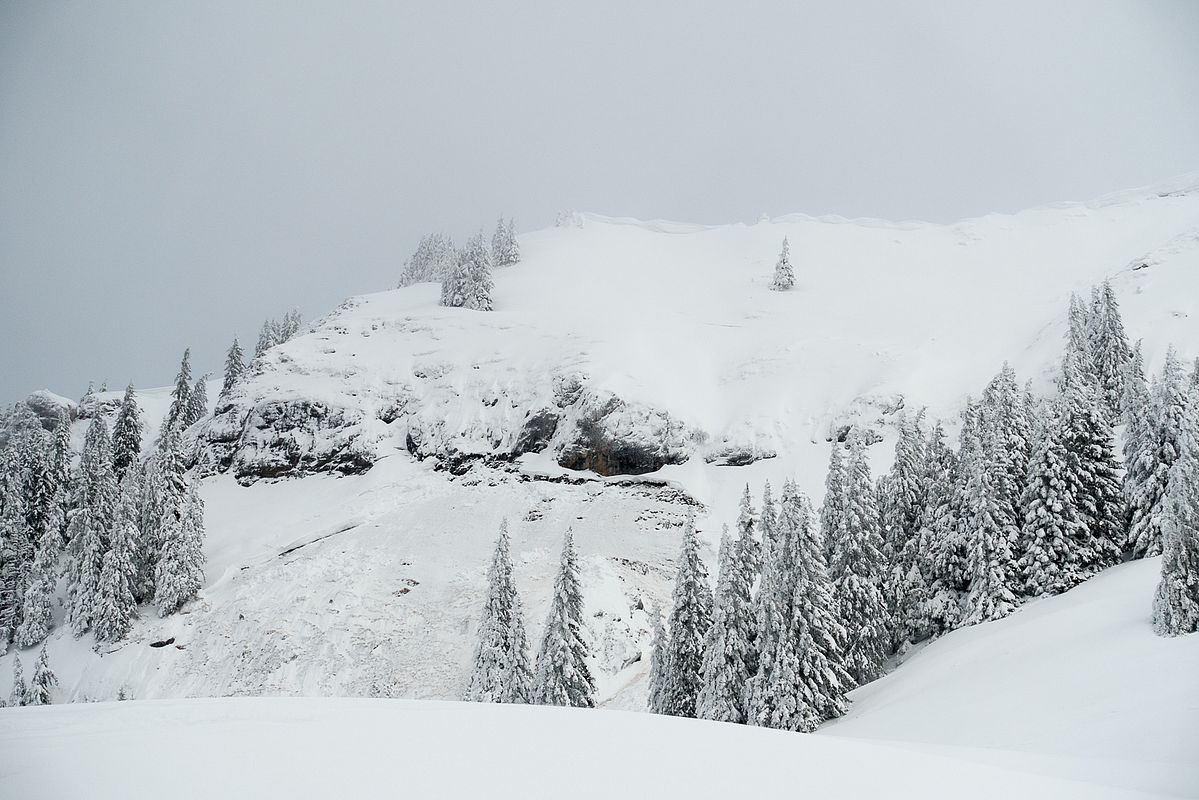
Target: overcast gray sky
{"type": "Point", "coordinates": [171, 173]}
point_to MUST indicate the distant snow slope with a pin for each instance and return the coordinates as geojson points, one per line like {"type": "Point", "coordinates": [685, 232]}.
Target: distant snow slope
{"type": "Point", "coordinates": [664, 340]}
{"type": "Point", "coordinates": [677, 322]}
{"type": "Point", "coordinates": [293, 748]}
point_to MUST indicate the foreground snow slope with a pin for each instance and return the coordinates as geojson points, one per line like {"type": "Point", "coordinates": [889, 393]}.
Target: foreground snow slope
{"type": "Point", "coordinates": [1079, 680]}
{"type": "Point", "coordinates": [301, 748]}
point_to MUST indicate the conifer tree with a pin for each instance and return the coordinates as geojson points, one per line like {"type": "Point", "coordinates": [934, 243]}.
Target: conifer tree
{"type": "Point", "coordinates": [1096, 474]}
{"type": "Point", "coordinates": [1080, 336]}
{"type": "Point", "coordinates": [1054, 528]}
{"type": "Point", "coordinates": [42, 682]}
{"type": "Point", "coordinates": [504, 249]}
{"type": "Point", "coordinates": [656, 699]}
{"type": "Point", "coordinates": [1003, 412]}
{"type": "Point", "coordinates": [1176, 601]}
{"type": "Point", "coordinates": [478, 274]}
{"type": "Point", "coordinates": [746, 525]}
{"type": "Point", "coordinates": [993, 538]}
{"type": "Point", "coordinates": [1110, 351]}
{"type": "Point", "coordinates": [90, 526]}
{"type": "Point", "coordinates": [16, 555]}
{"type": "Point", "coordinates": [690, 618]}
{"type": "Point", "coordinates": [180, 397]}
{"type": "Point", "coordinates": [804, 681]}
{"type": "Point", "coordinates": [857, 571]}
{"type": "Point", "coordinates": [562, 677]}
{"type": "Point", "coordinates": [179, 572]}
{"type": "Point", "coordinates": [1155, 457]}
{"type": "Point", "coordinates": [432, 260]}
{"type": "Point", "coordinates": [37, 612]}
{"type": "Point", "coordinates": [938, 549]}
{"type": "Point", "coordinates": [117, 605]}
{"type": "Point", "coordinates": [127, 434]}
{"type": "Point", "coordinates": [19, 690]}
{"type": "Point", "coordinates": [784, 275]}
{"type": "Point", "coordinates": [501, 672]}
{"type": "Point", "coordinates": [159, 502]}
{"type": "Point", "coordinates": [903, 500]}
{"type": "Point", "coordinates": [455, 283]}
{"type": "Point", "coordinates": [197, 402]}
{"type": "Point", "coordinates": [832, 509]}
{"type": "Point", "coordinates": [728, 646]}
{"type": "Point", "coordinates": [268, 337]}
{"type": "Point", "coordinates": [234, 367]}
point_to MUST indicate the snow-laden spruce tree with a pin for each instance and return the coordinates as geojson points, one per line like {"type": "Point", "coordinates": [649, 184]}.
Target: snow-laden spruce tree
{"type": "Point", "coordinates": [562, 677]}
{"type": "Point", "coordinates": [784, 275]}
{"type": "Point", "coordinates": [832, 509]}
{"type": "Point", "coordinates": [37, 616]}
{"type": "Point", "coordinates": [1110, 351]}
{"type": "Point", "coordinates": [938, 551]}
{"type": "Point", "coordinates": [803, 681]}
{"type": "Point", "coordinates": [903, 500]}
{"type": "Point", "coordinates": [478, 273]}
{"type": "Point", "coordinates": [857, 570]}
{"type": "Point", "coordinates": [1003, 411]}
{"type": "Point", "coordinates": [993, 535]}
{"type": "Point", "coordinates": [656, 682]}
{"type": "Point", "coordinates": [197, 402]}
{"type": "Point", "coordinates": [431, 261]}
{"type": "Point", "coordinates": [505, 251]}
{"type": "Point", "coordinates": [1054, 528]}
{"type": "Point", "coordinates": [1155, 457]}
{"type": "Point", "coordinates": [1080, 334]}
{"type": "Point", "coordinates": [771, 603]}
{"type": "Point", "coordinates": [690, 618]}
{"type": "Point", "coordinates": [728, 647]}
{"type": "Point", "coordinates": [127, 434]}
{"type": "Point", "coordinates": [179, 573]}
{"type": "Point", "coordinates": [16, 697]}
{"type": "Point", "coordinates": [117, 606]}
{"type": "Point", "coordinates": [501, 671]}
{"type": "Point", "coordinates": [235, 366]}
{"type": "Point", "coordinates": [746, 527]}
{"type": "Point", "coordinates": [42, 683]}
{"type": "Point", "coordinates": [16, 554]}
{"type": "Point", "coordinates": [1092, 459]}
{"type": "Point", "coordinates": [95, 510]}
{"type": "Point", "coordinates": [180, 397]}
{"type": "Point", "coordinates": [152, 512]}
{"type": "Point", "coordinates": [1176, 601]}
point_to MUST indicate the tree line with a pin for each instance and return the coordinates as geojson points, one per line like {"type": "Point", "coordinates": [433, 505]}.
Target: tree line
{"type": "Point", "coordinates": [464, 272]}
{"type": "Point", "coordinates": [808, 605]}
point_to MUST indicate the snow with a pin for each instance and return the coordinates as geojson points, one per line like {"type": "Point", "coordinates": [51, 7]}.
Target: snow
{"type": "Point", "coordinates": [321, 748]}
{"type": "Point", "coordinates": [370, 585]}
{"type": "Point", "coordinates": [1079, 680]}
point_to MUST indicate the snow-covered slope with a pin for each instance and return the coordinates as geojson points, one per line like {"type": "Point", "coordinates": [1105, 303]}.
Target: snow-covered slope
{"type": "Point", "coordinates": [625, 346]}
{"type": "Point", "coordinates": [1076, 685]}
{"type": "Point", "coordinates": [410, 431]}
{"type": "Point", "coordinates": [250, 748]}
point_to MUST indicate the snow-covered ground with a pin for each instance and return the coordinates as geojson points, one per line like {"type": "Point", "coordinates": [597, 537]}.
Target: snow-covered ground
{"type": "Point", "coordinates": [369, 585]}
{"type": "Point", "coordinates": [326, 748]}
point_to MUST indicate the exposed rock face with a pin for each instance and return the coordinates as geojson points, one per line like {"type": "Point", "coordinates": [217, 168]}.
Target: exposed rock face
{"type": "Point", "coordinates": [611, 437]}
{"type": "Point", "coordinates": [47, 406]}
{"type": "Point", "coordinates": [369, 381]}
{"type": "Point", "coordinates": [281, 439]}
